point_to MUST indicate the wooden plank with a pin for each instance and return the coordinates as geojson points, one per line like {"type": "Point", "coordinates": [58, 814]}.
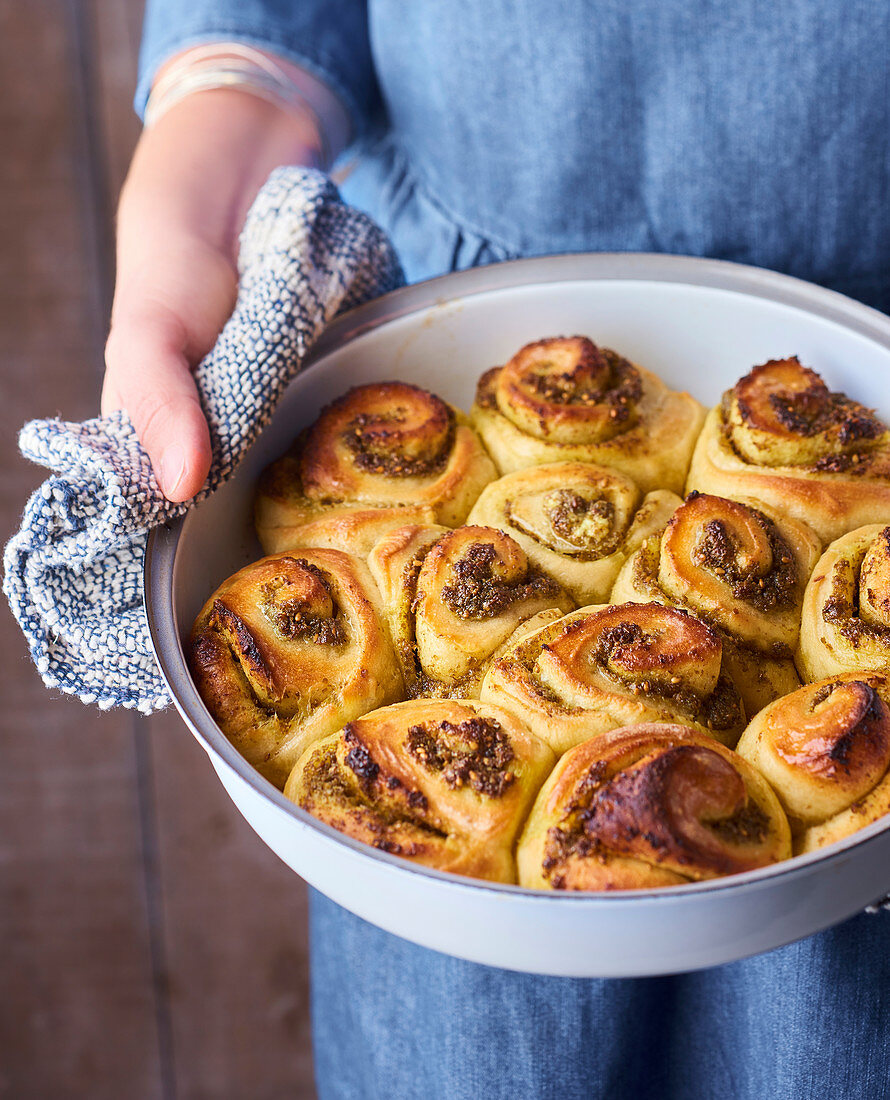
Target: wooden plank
{"type": "Point", "coordinates": [116, 27]}
{"type": "Point", "coordinates": [77, 1016]}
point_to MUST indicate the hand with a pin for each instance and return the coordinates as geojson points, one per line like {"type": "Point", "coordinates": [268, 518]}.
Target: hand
{"type": "Point", "coordinates": [192, 180]}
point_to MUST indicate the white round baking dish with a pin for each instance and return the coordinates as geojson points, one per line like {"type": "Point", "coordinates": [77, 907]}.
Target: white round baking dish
{"type": "Point", "coordinates": [700, 324]}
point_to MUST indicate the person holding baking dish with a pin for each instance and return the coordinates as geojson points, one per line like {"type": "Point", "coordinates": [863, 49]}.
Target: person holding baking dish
{"type": "Point", "coordinates": [752, 132]}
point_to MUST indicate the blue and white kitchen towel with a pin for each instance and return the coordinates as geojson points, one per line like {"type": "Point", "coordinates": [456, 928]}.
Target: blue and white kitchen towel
{"type": "Point", "coordinates": [73, 572]}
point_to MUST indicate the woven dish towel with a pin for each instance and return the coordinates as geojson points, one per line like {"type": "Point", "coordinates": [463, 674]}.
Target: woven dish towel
{"type": "Point", "coordinates": [73, 572]}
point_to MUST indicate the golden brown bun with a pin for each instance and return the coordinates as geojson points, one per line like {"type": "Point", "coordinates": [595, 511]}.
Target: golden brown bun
{"type": "Point", "coordinates": [782, 437]}
{"type": "Point", "coordinates": [443, 783]}
{"type": "Point", "coordinates": [376, 450]}
{"type": "Point", "coordinates": [347, 527]}
{"type": "Point", "coordinates": [741, 567]}
{"type": "Point", "coordinates": [287, 650]}
{"type": "Point", "coordinates": [452, 599]}
{"type": "Point", "coordinates": [825, 750]}
{"type": "Point", "coordinates": [648, 806]}
{"type": "Point", "coordinates": [575, 520]}
{"type": "Point", "coordinates": [603, 667]}
{"type": "Point", "coordinates": [565, 399]}
{"type": "Point", "coordinates": [845, 624]}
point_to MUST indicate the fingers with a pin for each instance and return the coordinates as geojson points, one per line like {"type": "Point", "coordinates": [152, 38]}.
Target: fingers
{"type": "Point", "coordinates": [148, 374]}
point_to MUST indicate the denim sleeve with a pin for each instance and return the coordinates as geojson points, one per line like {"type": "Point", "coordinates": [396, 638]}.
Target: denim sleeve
{"type": "Point", "coordinates": [328, 38]}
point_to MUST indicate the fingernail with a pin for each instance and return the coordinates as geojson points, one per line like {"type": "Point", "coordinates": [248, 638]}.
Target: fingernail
{"type": "Point", "coordinates": [172, 468]}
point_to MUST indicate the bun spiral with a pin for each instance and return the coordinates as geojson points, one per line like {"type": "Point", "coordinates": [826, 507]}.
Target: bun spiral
{"type": "Point", "coordinates": [443, 783]}
{"type": "Point", "coordinates": [378, 457]}
{"type": "Point", "coordinates": [604, 667]}
{"type": "Point", "coordinates": [287, 650]}
{"type": "Point", "coordinates": [575, 520]}
{"type": "Point", "coordinates": [648, 806]}
{"type": "Point", "coordinates": [565, 399]}
{"type": "Point", "coordinates": [453, 598]}
{"type": "Point", "coordinates": [845, 623]}
{"type": "Point", "coordinates": [741, 568]}
{"type": "Point", "coordinates": [782, 437]}
{"type": "Point", "coordinates": [825, 750]}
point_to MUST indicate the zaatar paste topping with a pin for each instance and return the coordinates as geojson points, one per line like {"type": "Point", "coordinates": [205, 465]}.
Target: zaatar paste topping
{"type": "Point", "coordinates": [478, 594]}
{"type": "Point", "coordinates": [474, 753]}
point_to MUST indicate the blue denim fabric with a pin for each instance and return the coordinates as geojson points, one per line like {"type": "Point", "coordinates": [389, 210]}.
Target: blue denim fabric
{"type": "Point", "coordinates": [396, 1022]}
{"type": "Point", "coordinates": [750, 131]}
{"type": "Point", "coordinates": [329, 38]}
{"type": "Point", "coordinates": [753, 131]}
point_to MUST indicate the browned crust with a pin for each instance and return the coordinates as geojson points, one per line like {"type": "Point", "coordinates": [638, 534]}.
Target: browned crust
{"type": "Point", "coordinates": [748, 584]}
{"type": "Point", "coordinates": [831, 502]}
{"type": "Point", "coordinates": [275, 678]}
{"type": "Point", "coordinates": [851, 740]}
{"type": "Point", "coordinates": [604, 667]}
{"type": "Point", "coordinates": [656, 797]}
{"type": "Point", "coordinates": [654, 450]}
{"type": "Point", "coordinates": [390, 429]}
{"type": "Point", "coordinates": [380, 445]}
{"type": "Point", "coordinates": [444, 783]}
{"type": "Point", "coordinates": [569, 390]}
{"type": "Point", "coordinates": [787, 400]}
{"type": "Point", "coordinates": [824, 749]}
{"type": "Point", "coordinates": [453, 598]}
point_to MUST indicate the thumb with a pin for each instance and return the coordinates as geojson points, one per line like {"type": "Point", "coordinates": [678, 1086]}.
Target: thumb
{"type": "Point", "coordinates": [148, 374]}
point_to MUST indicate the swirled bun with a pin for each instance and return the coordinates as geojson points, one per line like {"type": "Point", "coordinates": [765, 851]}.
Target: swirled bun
{"type": "Point", "coordinates": [649, 806]}
{"type": "Point", "coordinates": [575, 520]}
{"type": "Point", "coordinates": [825, 750]}
{"type": "Point", "coordinates": [845, 623]}
{"type": "Point", "coordinates": [565, 399]}
{"type": "Point", "coordinates": [743, 568]}
{"type": "Point", "coordinates": [603, 667]}
{"type": "Point", "coordinates": [380, 456]}
{"type": "Point", "coordinates": [780, 436]}
{"type": "Point", "coordinates": [443, 783]}
{"type": "Point", "coordinates": [453, 598]}
{"type": "Point", "coordinates": [287, 650]}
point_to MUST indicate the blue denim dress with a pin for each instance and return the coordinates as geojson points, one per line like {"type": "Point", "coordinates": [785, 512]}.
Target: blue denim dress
{"type": "Point", "coordinates": [753, 131]}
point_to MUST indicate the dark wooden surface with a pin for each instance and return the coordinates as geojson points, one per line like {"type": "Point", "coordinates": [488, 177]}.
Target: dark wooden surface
{"type": "Point", "coordinates": [150, 945]}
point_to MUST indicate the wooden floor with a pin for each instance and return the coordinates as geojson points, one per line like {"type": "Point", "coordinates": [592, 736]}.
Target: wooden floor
{"type": "Point", "coordinates": [150, 945]}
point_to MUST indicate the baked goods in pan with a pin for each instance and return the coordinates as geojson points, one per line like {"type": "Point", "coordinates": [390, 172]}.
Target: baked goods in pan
{"type": "Point", "coordinates": [741, 567]}
{"type": "Point", "coordinates": [577, 521]}
{"type": "Point", "coordinates": [845, 622]}
{"type": "Point", "coordinates": [444, 783]}
{"type": "Point", "coordinates": [688, 623]}
{"type": "Point", "coordinates": [782, 437]}
{"type": "Point", "coordinates": [565, 399]}
{"type": "Point", "coordinates": [647, 806]}
{"type": "Point", "coordinates": [825, 750]}
{"type": "Point", "coordinates": [373, 452]}
{"type": "Point", "coordinates": [603, 667]}
{"type": "Point", "coordinates": [453, 598]}
{"type": "Point", "coordinates": [287, 650]}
